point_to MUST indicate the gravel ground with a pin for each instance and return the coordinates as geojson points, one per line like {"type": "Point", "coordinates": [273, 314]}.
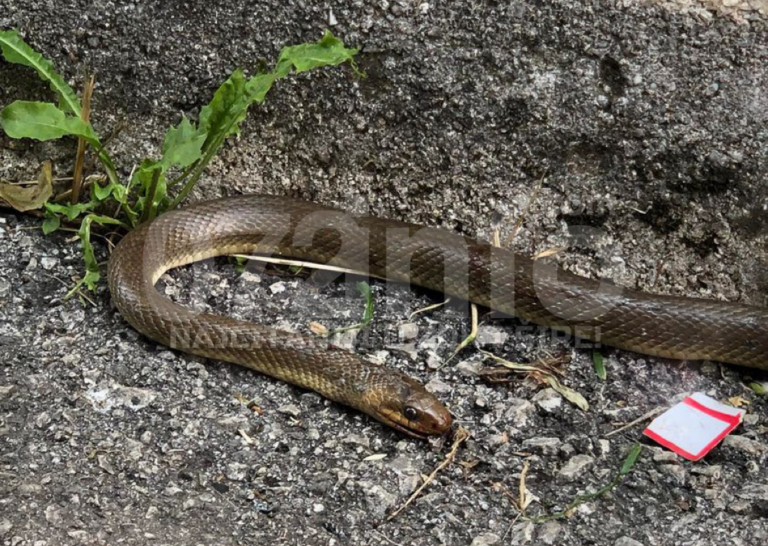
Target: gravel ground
{"type": "Point", "coordinates": [646, 121]}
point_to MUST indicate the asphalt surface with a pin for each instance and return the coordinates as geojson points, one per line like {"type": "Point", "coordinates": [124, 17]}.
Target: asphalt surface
{"type": "Point", "coordinates": [647, 125]}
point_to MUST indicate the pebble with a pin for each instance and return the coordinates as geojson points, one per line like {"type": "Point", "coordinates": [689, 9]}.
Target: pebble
{"type": "Point", "coordinates": [754, 491]}
{"type": "Point", "coordinates": [491, 335]}
{"type": "Point", "coordinates": [627, 541]}
{"type": "Point", "coordinates": [290, 409]}
{"type": "Point", "coordinates": [747, 445]}
{"type": "Point", "coordinates": [6, 391]}
{"type": "Point", "coordinates": [548, 399]}
{"type": "Point", "coordinates": [468, 367]}
{"type": "Point", "coordinates": [277, 288]}
{"type": "Point", "coordinates": [358, 439]}
{"type": "Point", "coordinates": [247, 276]}
{"type": "Point", "coordinates": [575, 467]}
{"type": "Point", "coordinates": [519, 411]}
{"type": "Point", "coordinates": [664, 456]}
{"type": "Point", "coordinates": [236, 471]}
{"type": "Point", "coordinates": [549, 533]}
{"type": "Point", "coordinates": [345, 340]}
{"type": "Point", "coordinates": [378, 499]}
{"type": "Point", "coordinates": [48, 262]}
{"type": "Point", "coordinates": [676, 471]}
{"type": "Point", "coordinates": [408, 331]}
{"type": "Point", "coordinates": [5, 527]}
{"type": "Point", "coordinates": [434, 386]}
{"type": "Point", "coordinates": [543, 445]}
{"type": "Point", "coordinates": [487, 539]}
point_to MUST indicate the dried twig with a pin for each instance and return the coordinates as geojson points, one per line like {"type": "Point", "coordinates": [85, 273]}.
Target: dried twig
{"type": "Point", "coordinates": [85, 115]}
{"type": "Point", "coordinates": [640, 419]}
{"type": "Point", "coordinates": [459, 437]}
{"type": "Point", "coordinates": [428, 308]}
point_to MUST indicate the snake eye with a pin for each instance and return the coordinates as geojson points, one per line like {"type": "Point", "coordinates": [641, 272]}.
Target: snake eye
{"type": "Point", "coordinates": [410, 413]}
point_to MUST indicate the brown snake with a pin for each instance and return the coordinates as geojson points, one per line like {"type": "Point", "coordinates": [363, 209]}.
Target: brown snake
{"type": "Point", "coordinates": [666, 326]}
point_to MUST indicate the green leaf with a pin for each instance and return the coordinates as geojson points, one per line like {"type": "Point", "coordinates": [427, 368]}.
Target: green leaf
{"type": "Point", "coordinates": [258, 86]}
{"type": "Point", "coordinates": [92, 270]}
{"type": "Point", "coordinates": [43, 121]}
{"type": "Point", "coordinates": [329, 50]}
{"type": "Point", "coordinates": [15, 50]}
{"type": "Point", "coordinates": [597, 359]}
{"type": "Point", "coordinates": [183, 145]}
{"type": "Point", "coordinates": [51, 224]}
{"type": "Point", "coordinates": [365, 290]}
{"type": "Point", "coordinates": [102, 192]}
{"type": "Point", "coordinates": [223, 115]}
{"type": "Point", "coordinates": [631, 459]}
{"type": "Point", "coordinates": [70, 211]}
{"type": "Point", "coordinates": [759, 388]}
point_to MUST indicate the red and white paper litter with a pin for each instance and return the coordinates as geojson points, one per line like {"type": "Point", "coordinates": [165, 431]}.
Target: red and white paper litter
{"type": "Point", "coordinates": [694, 426]}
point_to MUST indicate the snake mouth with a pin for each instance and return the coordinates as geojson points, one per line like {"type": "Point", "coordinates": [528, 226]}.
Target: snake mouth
{"type": "Point", "coordinates": [399, 422]}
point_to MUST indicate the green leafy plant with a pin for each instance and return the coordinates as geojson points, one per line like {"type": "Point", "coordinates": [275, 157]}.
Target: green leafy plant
{"type": "Point", "coordinates": [187, 148]}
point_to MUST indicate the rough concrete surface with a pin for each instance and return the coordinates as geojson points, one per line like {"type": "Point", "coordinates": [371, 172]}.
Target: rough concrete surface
{"type": "Point", "coordinates": [647, 123]}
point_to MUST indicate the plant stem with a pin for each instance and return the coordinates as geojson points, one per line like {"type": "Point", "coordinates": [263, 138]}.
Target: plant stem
{"type": "Point", "coordinates": [149, 205]}
{"type": "Point", "coordinates": [85, 115]}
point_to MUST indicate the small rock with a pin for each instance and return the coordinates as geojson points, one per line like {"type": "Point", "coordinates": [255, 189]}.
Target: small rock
{"type": "Point", "coordinates": [543, 445]}
{"type": "Point", "coordinates": [53, 514]}
{"type": "Point", "coordinates": [378, 499]}
{"type": "Point", "coordinates": [43, 420]}
{"type": "Point", "coordinates": [403, 465]}
{"type": "Point", "coordinates": [358, 439]}
{"type": "Point", "coordinates": [481, 402]}
{"type": "Point", "coordinates": [5, 527]}
{"type": "Point", "coordinates": [433, 360]}
{"type": "Point", "coordinates": [6, 391]}
{"type": "Point", "coordinates": [676, 471]}
{"type": "Point", "coordinates": [48, 262]}
{"type": "Point", "coordinates": [233, 422]}
{"type": "Point", "coordinates": [664, 456]}
{"type": "Point", "coordinates": [408, 331]}
{"type": "Point", "coordinates": [548, 400]}
{"type": "Point", "coordinates": [318, 508]}
{"type": "Point", "coordinates": [575, 467]}
{"type": "Point", "coordinates": [236, 471]}
{"type": "Point", "coordinates": [277, 288]}
{"type": "Point", "coordinates": [247, 276]}
{"type": "Point", "coordinates": [105, 465]}
{"type": "Point", "coordinates": [549, 533]}
{"type": "Point", "coordinates": [468, 368]}
{"type": "Point", "coordinates": [345, 340]}
{"type": "Point", "coordinates": [522, 533]}
{"type": "Point", "coordinates": [747, 445]}
{"type": "Point", "coordinates": [487, 539]}
{"type": "Point", "coordinates": [438, 387]}
{"type": "Point", "coordinates": [491, 335]}
{"type": "Point", "coordinates": [754, 491]}
{"type": "Point", "coordinates": [290, 409]}
{"type": "Point", "coordinates": [626, 541]}
{"type": "Point", "coordinates": [519, 410]}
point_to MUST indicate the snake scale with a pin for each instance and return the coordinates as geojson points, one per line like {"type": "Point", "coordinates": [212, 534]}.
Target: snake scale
{"type": "Point", "coordinates": [666, 326]}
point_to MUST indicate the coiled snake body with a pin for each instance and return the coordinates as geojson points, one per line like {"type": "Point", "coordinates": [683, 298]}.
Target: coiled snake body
{"type": "Point", "coordinates": [667, 326]}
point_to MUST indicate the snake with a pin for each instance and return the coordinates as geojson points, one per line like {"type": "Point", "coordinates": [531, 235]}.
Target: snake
{"type": "Point", "coordinates": [536, 291]}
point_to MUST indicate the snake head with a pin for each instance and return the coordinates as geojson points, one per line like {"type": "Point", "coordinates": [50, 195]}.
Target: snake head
{"type": "Point", "coordinates": [407, 406]}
